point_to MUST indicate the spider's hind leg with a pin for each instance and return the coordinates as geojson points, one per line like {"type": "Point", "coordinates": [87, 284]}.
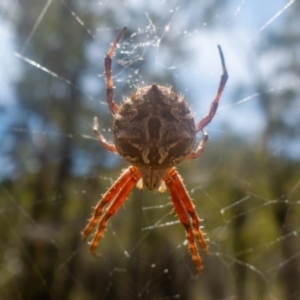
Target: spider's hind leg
{"type": "Point", "coordinates": [200, 148]}
{"type": "Point", "coordinates": [109, 82]}
{"type": "Point", "coordinates": [101, 139]}
{"type": "Point", "coordinates": [212, 111]}
{"type": "Point", "coordinates": [213, 108]}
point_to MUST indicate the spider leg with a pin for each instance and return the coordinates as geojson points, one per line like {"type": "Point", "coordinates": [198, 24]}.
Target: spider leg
{"type": "Point", "coordinates": [189, 206]}
{"type": "Point", "coordinates": [109, 83]}
{"type": "Point", "coordinates": [114, 191]}
{"type": "Point", "coordinates": [131, 176]}
{"type": "Point", "coordinates": [213, 108]}
{"type": "Point", "coordinates": [109, 147]}
{"type": "Point", "coordinates": [200, 148]}
{"type": "Point", "coordinates": [180, 208]}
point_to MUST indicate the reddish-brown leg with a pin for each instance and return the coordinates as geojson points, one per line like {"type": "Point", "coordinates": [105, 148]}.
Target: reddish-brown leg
{"type": "Point", "coordinates": [133, 177]}
{"type": "Point", "coordinates": [189, 206]}
{"type": "Point", "coordinates": [115, 190]}
{"type": "Point", "coordinates": [202, 123]}
{"type": "Point", "coordinates": [109, 83]}
{"type": "Point", "coordinates": [200, 148]}
{"type": "Point", "coordinates": [182, 214]}
{"type": "Point", "coordinates": [109, 147]}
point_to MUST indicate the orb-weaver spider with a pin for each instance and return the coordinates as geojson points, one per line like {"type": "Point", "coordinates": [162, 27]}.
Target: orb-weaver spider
{"type": "Point", "coordinates": [153, 130]}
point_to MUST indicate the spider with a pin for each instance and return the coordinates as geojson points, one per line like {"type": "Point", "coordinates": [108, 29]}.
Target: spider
{"type": "Point", "coordinates": [153, 130]}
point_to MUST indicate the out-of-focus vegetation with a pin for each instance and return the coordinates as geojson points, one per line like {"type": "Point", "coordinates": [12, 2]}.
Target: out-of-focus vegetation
{"type": "Point", "coordinates": [246, 191]}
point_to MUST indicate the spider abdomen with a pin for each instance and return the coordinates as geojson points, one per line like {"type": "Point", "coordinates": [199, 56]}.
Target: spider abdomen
{"type": "Point", "coordinates": [154, 128]}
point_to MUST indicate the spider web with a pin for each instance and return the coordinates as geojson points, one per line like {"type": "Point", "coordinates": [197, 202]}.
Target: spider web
{"type": "Point", "coordinates": [245, 185]}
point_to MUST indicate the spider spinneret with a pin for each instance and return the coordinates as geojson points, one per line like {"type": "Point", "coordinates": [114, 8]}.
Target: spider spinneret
{"type": "Point", "coordinates": [153, 130]}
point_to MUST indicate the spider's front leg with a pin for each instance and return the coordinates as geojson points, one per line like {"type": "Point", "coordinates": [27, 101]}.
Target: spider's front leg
{"type": "Point", "coordinates": [115, 196]}
{"type": "Point", "coordinates": [184, 207]}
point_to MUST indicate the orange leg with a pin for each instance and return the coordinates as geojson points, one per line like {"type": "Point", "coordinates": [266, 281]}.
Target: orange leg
{"type": "Point", "coordinates": [116, 189]}
{"type": "Point", "coordinates": [213, 108]}
{"type": "Point", "coordinates": [109, 83]}
{"type": "Point", "coordinates": [131, 176]}
{"type": "Point", "coordinates": [189, 206]}
{"type": "Point", "coordinates": [182, 214]}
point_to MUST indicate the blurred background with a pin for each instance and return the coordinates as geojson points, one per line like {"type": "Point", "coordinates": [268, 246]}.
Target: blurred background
{"type": "Point", "coordinates": [245, 186]}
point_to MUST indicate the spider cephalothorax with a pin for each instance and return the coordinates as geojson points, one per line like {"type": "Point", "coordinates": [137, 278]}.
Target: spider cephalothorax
{"type": "Point", "coordinates": [154, 130]}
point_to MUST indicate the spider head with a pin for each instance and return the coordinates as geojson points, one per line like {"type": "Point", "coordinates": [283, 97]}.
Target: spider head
{"type": "Point", "coordinates": [152, 178]}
